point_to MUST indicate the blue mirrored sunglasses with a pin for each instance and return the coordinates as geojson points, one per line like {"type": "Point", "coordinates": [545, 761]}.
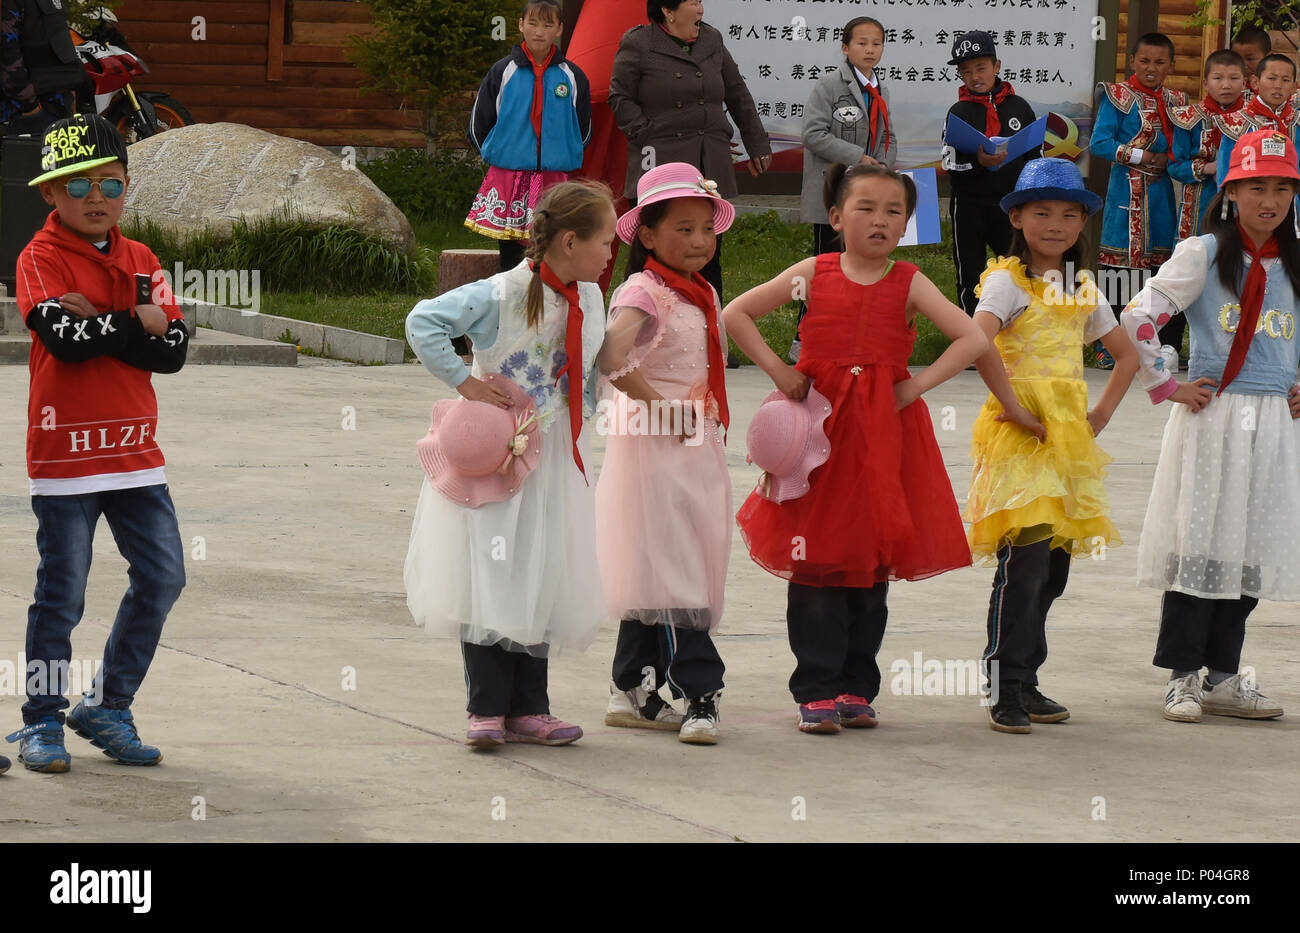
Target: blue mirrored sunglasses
{"type": "Point", "coordinates": [110, 188]}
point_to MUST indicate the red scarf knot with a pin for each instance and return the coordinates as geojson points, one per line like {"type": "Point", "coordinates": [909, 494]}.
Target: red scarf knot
{"type": "Point", "coordinates": [990, 101]}
{"type": "Point", "coordinates": [1166, 125]}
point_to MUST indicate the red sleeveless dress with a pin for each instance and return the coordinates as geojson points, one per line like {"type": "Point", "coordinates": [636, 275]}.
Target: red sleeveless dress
{"type": "Point", "coordinates": [882, 507]}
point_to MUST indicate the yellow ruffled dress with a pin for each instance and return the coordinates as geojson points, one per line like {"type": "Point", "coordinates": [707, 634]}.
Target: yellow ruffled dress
{"type": "Point", "coordinates": [1024, 490]}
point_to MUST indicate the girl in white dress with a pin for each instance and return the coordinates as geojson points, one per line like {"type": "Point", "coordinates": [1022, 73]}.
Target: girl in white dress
{"type": "Point", "coordinates": [517, 580]}
{"type": "Point", "coordinates": [1220, 528]}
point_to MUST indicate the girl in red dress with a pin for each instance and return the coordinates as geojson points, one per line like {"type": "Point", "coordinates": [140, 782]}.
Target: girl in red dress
{"type": "Point", "coordinates": [882, 507]}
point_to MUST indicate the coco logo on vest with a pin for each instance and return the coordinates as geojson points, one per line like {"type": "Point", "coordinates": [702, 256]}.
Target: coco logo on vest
{"type": "Point", "coordinates": [1276, 324]}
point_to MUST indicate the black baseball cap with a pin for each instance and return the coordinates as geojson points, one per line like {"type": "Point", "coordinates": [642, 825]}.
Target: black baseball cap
{"type": "Point", "coordinates": [974, 44]}
{"type": "Point", "coordinates": [78, 143]}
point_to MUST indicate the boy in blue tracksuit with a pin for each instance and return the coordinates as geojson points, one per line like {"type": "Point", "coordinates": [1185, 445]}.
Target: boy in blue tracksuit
{"type": "Point", "coordinates": [530, 123]}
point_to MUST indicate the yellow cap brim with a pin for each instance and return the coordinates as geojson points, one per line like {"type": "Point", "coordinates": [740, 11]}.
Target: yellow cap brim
{"type": "Point", "coordinates": [71, 170]}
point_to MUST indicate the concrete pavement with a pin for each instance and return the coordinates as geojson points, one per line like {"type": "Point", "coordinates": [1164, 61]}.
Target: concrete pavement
{"type": "Point", "coordinates": [302, 527]}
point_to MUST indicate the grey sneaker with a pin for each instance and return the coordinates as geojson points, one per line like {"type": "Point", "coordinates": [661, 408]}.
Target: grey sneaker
{"type": "Point", "coordinates": [1183, 699]}
{"type": "Point", "coordinates": [1238, 696]}
{"type": "Point", "coordinates": [638, 708]}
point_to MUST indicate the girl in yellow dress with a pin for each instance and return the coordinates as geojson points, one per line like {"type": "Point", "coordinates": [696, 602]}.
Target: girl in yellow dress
{"type": "Point", "coordinates": [1036, 495]}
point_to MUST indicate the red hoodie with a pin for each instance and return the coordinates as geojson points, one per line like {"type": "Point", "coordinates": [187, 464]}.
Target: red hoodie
{"type": "Point", "coordinates": [92, 415]}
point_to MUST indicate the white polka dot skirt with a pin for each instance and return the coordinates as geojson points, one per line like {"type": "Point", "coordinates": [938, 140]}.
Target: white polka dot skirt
{"type": "Point", "coordinates": [1223, 520]}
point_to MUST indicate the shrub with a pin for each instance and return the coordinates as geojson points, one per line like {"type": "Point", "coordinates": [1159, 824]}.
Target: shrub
{"type": "Point", "coordinates": [437, 187]}
{"type": "Point", "coordinates": [292, 254]}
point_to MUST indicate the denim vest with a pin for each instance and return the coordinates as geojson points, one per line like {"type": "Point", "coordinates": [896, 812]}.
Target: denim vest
{"type": "Point", "coordinates": [1270, 366]}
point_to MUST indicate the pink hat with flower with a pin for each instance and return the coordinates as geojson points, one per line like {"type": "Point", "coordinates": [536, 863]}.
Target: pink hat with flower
{"type": "Point", "coordinates": [476, 453]}
{"type": "Point", "coordinates": [675, 180]}
{"type": "Point", "coordinates": [787, 441]}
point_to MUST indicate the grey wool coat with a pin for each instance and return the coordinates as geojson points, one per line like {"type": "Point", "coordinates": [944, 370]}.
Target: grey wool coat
{"type": "Point", "coordinates": [672, 100]}
{"type": "Point", "coordinates": [835, 129]}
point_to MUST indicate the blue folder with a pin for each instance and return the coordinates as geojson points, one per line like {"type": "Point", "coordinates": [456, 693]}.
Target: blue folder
{"type": "Point", "coordinates": [965, 138]}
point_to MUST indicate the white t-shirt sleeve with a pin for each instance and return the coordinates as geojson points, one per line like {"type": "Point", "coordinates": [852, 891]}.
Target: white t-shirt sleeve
{"type": "Point", "coordinates": [1182, 276]}
{"type": "Point", "coordinates": [1002, 298]}
{"type": "Point", "coordinates": [1101, 322]}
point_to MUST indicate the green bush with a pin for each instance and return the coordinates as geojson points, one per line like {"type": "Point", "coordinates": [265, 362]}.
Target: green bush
{"type": "Point", "coordinates": [438, 187]}
{"type": "Point", "coordinates": [292, 254]}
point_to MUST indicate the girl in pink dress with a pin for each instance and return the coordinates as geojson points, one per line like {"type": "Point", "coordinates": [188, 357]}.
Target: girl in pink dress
{"type": "Point", "coordinates": [663, 501]}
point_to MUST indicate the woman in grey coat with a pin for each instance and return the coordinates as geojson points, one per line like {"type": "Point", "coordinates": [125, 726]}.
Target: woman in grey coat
{"type": "Point", "coordinates": [672, 87]}
{"type": "Point", "coordinates": [838, 125]}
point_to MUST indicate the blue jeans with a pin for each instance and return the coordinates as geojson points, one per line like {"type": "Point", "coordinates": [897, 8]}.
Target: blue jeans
{"type": "Point", "coordinates": [143, 522]}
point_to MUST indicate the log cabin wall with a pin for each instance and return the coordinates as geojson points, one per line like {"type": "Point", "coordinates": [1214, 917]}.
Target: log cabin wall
{"type": "Point", "coordinates": [279, 65]}
{"type": "Point", "coordinates": [1191, 43]}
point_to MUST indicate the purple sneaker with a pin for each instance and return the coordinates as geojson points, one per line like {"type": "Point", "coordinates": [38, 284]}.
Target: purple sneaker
{"type": "Point", "coordinates": [819, 716]}
{"type": "Point", "coordinates": [855, 712]}
{"type": "Point", "coordinates": [541, 729]}
{"type": "Point", "coordinates": [486, 731]}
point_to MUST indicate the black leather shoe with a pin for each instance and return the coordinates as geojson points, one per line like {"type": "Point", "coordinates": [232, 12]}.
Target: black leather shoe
{"type": "Point", "coordinates": [732, 362]}
{"type": "Point", "coordinates": [1039, 707]}
{"type": "Point", "coordinates": [1008, 714]}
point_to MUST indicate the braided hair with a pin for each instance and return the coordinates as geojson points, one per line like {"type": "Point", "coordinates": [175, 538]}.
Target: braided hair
{"type": "Point", "coordinates": [580, 206]}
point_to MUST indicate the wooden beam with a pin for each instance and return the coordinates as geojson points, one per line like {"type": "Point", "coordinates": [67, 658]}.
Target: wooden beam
{"type": "Point", "coordinates": [275, 41]}
{"type": "Point", "coordinates": [1143, 17]}
{"type": "Point", "coordinates": [1214, 38]}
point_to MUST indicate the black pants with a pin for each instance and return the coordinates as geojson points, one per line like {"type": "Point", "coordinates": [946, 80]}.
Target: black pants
{"type": "Point", "coordinates": [504, 683]}
{"type": "Point", "coordinates": [1027, 582]}
{"type": "Point", "coordinates": [835, 634]}
{"type": "Point", "coordinates": [684, 658]}
{"type": "Point", "coordinates": [978, 225]}
{"type": "Point", "coordinates": [511, 253]}
{"type": "Point", "coordinates": [1197, 633]}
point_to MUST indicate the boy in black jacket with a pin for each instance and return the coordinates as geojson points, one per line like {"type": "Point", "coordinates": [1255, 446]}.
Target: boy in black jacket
{"type": "Point", "coordinates": [979, 180]}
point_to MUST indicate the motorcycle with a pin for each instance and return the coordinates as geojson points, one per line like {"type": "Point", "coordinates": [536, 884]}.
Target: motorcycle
{"type": "Point", "coordinates": [111, 65]}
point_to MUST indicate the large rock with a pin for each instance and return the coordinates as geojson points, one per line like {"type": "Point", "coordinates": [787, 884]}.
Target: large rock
{"type": "Point", "coordinates": [210, 174]}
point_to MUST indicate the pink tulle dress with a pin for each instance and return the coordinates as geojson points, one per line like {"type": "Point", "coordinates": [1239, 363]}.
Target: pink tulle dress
{"type": "Point", "coordinates": [663, 505]}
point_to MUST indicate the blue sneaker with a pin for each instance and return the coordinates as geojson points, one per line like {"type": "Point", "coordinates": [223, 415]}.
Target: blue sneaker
{"type": "Point", "coordinates": [1104, 359]}
{"type": "Point", "coordinates": [113, 730]}
{"type": "Point", "coordinates": [41, 748]}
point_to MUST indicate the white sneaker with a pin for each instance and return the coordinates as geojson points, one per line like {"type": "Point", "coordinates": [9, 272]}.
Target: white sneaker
{"type": "Point", "coordinates": [1183, 701]}
{"type": "Point", "coordinates": [638, 708]}
{"type": "Point", "coordinates": [1239, 697]}
{"type": "Point", "coordinates": [701, 725]}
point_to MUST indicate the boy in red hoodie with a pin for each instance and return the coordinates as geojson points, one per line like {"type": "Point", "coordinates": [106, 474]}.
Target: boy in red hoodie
{"type": "Point", "coordinates": [99, 330]}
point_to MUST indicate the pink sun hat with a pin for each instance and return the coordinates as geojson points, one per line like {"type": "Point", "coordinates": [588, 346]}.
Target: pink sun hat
{"type": "Point", "coordinates": [476, 453]}
{"type": "Point", "coordinates": [787, 441]}
{"type": "Point", "coordinates": [675, 180]}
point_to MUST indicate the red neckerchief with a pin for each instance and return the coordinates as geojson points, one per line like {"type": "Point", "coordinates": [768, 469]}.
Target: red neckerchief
{"type": "Point", "coordinates": [572, 355]}
{"type": "Point", "coordinates": [698, 292]}
{"type": "Point", "coordinates": [1267, 117]}
{"type": "Point", "coordinates": [1213, 108]}
{"type": "Point", "coordinates": [538, 88]}
{"type": "Point", "coordinates": [1166, 125]}
{"type": "Point", "coordinates": [878, 107]}
{"type": "Point", "coordinates": [1252, 299]}
{"type": "Point", "coordinates": [1001, 91]}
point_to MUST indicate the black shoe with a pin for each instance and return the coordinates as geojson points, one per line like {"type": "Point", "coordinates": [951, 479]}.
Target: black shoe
{"type": "Point", "coordinates": [732, 362]}
{"type": "Point", "coordinates": [1008, 715]}
{"type": "Point", "coordinates": [1039, 707]}
{"type": "Point", "coordinates": [4, 764]}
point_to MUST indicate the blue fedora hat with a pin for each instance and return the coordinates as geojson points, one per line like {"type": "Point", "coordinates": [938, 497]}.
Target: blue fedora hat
{"type": "Point", "coordinates": [1051, 180]}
